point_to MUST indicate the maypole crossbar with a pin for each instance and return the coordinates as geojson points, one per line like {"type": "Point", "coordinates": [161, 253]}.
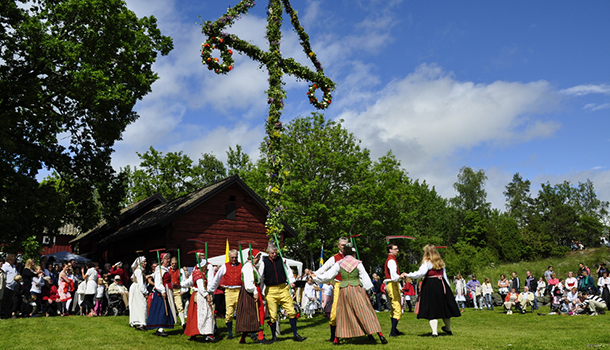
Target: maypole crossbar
{"type": "Point", "coordinates": [220, 41]}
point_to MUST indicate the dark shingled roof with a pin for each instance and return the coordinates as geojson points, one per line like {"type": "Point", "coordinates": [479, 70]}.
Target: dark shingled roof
{"type": "Point", "coordinates": [125, 214]}
{"type": "Point", "coordinates": [165, 214]}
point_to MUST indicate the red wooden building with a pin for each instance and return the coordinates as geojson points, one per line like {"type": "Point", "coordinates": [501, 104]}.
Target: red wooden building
{"type": "Point", "coordinates": [228, 209]}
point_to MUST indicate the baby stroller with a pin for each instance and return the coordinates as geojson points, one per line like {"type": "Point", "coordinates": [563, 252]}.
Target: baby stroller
{"type": "Point", "coordinates": [116, 305]}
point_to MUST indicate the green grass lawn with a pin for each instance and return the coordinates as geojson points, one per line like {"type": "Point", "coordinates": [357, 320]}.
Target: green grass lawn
{"type": "Point", "coordinates": [474, 330]}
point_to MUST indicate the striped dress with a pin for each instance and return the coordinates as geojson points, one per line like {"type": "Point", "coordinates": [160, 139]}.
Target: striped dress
{"type": "Point", "coordinates": [355, 314]}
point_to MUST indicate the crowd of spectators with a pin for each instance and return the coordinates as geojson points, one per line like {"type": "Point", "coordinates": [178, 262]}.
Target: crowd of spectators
{"type": "Point", "coordinates": [54, 288]}
{"type": "Point", "coordinates": [579, 293]}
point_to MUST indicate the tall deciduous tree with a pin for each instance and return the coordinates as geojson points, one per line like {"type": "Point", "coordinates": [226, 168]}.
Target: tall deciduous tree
{"type": "Point", "coordinates": [518, 199]}
{"type": "Point", "coordinates": [471, 191]}
{"type": "Point", "coordinates": [71, 72]}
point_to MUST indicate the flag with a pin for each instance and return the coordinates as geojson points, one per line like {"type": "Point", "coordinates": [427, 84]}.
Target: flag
{"type": "Point", "coordinates": [227, 252]}
{"type": "Point", "coordinates": [321, 256]}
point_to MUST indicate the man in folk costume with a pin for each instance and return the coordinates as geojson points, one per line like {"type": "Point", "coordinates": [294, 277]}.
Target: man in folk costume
{"type": "Point", "coordinates": [200, 320]}
{"type": "Point", "coordinates": [232, 284]}
{"type": "Point", "coordinates": [177, 276]}
{"type": "Point", "coordinates": [274, 283]}
{"type": "Point", "coordinates": [337, 281]}
{"type": "Point", "coordinates": [392, 276]}
{"type": "Point", "coordinates": [250, 309]}
{"type": "Point", "coordinates": [162, 313]}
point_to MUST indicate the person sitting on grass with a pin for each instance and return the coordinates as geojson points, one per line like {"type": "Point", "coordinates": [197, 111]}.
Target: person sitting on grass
{"type": "Point", "coordinates": [594, 303]}
{"type": "Point", "coordinates": [50, 297]}
{"type": "Point", "coordinates": [586, 283]}
{"type": "Point", "coordinates": [511, 299]}
{"type": "Point", "coordinates": [526, 299]}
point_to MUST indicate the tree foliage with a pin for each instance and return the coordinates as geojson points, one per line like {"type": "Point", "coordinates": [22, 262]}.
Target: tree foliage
{"type": "Point", "coordinates": [71, 72]}
{"type": "Point", "coordinates": [172, 175]}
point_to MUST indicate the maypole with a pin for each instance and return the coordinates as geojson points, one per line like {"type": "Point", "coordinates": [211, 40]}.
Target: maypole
{"type": "Point", "coordinates": [277, 66]}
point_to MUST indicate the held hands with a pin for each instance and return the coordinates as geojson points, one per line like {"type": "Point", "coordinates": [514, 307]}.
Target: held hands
{"type": "Point", "coordinates": [403, 275]}
{"type": "Point", "coordinates": [292, 285]}
{"type": "Point", "coordinates": [164, 295]}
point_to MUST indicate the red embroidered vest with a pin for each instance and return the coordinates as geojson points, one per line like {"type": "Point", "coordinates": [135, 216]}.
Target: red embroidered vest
{"type": "Point", "coordinates": [232, 275]}
{"type": "Point", "coordinates": [338, 257]}
{"type": "Point", "coordinates": [175, 276]}
{"type": "Point", "coordinates": [385, 266]}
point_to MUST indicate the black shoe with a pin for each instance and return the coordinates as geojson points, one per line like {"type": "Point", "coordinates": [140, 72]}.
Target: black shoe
{"type": "Point", "coordinates": [273, 340]}
{"type": "Point", "coordinates": [263, 341]}
{"type": "Point", "coordinates": [230, 336]}
{"type": "Point", "coordinates": [393, 335]}
{"type": "Point", "coordinates": [193, 338]}
{"type": "Point", "coordinates": [383, 339]}
{"type": "Point", "coordinates": [444, 329]}
{"type": "Point", "coordinates": [371, 338]}
{"type": "Point", "coordinates": [161, 333]}
{"type": "Point", "coordinates": [209, 339]}
{"type": "Point", "coordinates": [242, 341]}
{"type": "Point", "coordinates": [254, 336]}
{"type": "Point", "coordinates": [397, 332]}
{"type": "Point", "coordinates": [298, 338]}
{"type": "Point", "coordinates": [434, 335]}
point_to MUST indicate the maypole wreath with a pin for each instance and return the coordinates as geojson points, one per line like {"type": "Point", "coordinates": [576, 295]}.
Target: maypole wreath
{"type": "Point", "coordinates": [277, 66]}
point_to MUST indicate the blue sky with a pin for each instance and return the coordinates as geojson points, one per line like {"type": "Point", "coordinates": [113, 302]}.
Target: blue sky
{"type": "Point", "coordinates": [506, 87]}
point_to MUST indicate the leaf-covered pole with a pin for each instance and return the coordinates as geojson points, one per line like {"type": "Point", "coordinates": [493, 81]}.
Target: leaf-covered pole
{"type": "Point", "coordinates": [276, 66]}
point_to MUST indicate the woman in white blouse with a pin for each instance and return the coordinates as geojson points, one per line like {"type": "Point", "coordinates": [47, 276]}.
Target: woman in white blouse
{"type": "Point", "coordinates": [90, 277]}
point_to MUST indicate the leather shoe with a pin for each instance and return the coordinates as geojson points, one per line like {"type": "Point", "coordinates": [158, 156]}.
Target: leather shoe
{"type": "Point", "coordinates": [298, 338]}
{"type": "Point", "coordinates": [230, 336]}
{"type": "Point", "coordinates": [446, 331]}
{"type": "Point", "coordinates": [383, 339]}
{"type": "Point", "coordinates": [273, 340]}
{"type": "Point", "coordinates": [263, 341]}
{"type": "Point", "coordinates": [161, 333]}
{"type": "Point", "coordinates": [434, 335]}
{"type": "Point", "coordinates": [397, 332]}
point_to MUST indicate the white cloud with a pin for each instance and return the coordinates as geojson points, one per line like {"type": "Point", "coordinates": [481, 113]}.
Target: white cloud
{"type": "Point", "coordinates": [595, 107]}
{"type": "Point", "coordinates": [429, 114]}
{"type": "Point", "coordinates": [581, 90]}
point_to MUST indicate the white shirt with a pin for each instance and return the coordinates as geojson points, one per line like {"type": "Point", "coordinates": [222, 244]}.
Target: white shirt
{"type": "Point", "coordinates": [37, 283]}
{"type": "Point", "coordinates": [327, 265]}
{"type": "Point", "coordinates": [327, 289]}
{"type": "Point", "coordinates": [216, 280]}
{"type": "Point", "coordinates": [159, 278]}
{"type": "Point", "coordinates": [247, 272]}
{"type": "Point", "coordinates": [11, 272]}
{"type": "Point", "coordinates": [138, 278]}
{"type": "Point", "coordinates": [394, 276]}
{"type": "Point", "coordinates": [91, 281]}
{"type": "Point", "coordinates": [423, 270]}
{"type": "Point", "coordinates": [333, 271]}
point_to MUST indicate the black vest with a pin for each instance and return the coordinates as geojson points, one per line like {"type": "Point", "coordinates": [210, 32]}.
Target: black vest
{"type": "Point", "coordinates": [274, 272]}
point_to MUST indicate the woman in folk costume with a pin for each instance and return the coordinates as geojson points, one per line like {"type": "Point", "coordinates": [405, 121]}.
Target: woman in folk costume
{"type": "Point", "coordinates": [250, 308]}
{"type": "Point", "coordinates": [161, 314]}
{"type": "Point", "coordinates": [355, 314]}
{"type": "Point", "coordinates": [200, 317]}
{"type": "Point", "coordinates": [138, 293]}
{"type": "Point", "coordinates": [435, 299]}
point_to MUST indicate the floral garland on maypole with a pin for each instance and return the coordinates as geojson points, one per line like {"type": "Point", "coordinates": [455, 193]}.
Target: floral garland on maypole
{"type": "Point", "coordinates": [277, 66]}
